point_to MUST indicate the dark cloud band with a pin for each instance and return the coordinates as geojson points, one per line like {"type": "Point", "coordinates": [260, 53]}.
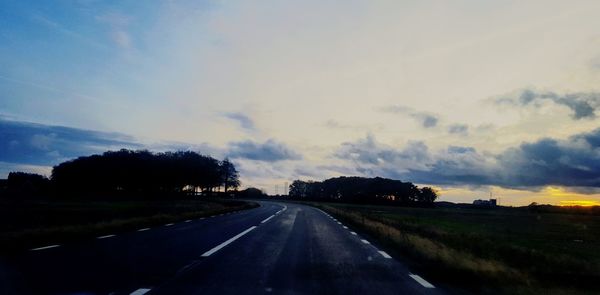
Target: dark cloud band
{"type": "Point", "coordinates": [574, 162]}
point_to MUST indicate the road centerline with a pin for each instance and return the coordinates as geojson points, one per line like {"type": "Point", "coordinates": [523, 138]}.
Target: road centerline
{"type": "Point", "coordinates": [384, 254]}
{"type": "Point", "coordinates": [267, 219]}
{"type": "Point", "coordinates": [219, 247]}
{"type": "Point", "coordinates": [44, 248]}
{"type": "Point", "coordinates": [421, 281]}
{"type": "Point", "coordinates": [140, 291]}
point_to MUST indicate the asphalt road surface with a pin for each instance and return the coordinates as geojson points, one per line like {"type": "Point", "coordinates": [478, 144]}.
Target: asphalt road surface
{"type": "Point", "coordinates": [277, 248]}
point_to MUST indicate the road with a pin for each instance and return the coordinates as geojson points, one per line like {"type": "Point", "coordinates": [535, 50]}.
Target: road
{"type": "Point", "coordinates": [276, 248]}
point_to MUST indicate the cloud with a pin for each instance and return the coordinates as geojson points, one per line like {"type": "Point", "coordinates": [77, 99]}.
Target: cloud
{"type": "Point", "coordinates": [427, 120]}
{"type": "Point", "coordinates": [269, 151]}
{"type": "Point", "coordinates": [6, 168]}
{"type": "Point", "coordinates": [244, 121]}
{"type": "Point", "coordinates": [460, 129]}
{"type": "Point", "coordinates": [33, 147]}
{"type": "Point", "coordinates": [583, 105]}
{"type": "Point", "coordinates": [573, 163]}
{"type": "Point", "coordinates": [26, 143]}
{"type": "Point", "coordinates": [369, 154]}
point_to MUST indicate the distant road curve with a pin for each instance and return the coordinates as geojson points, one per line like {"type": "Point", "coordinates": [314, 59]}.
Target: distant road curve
{"type": "Point", "coordinates": [279, 248]}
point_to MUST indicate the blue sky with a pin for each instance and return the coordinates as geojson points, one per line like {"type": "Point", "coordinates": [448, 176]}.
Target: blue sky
{"type": "Point", "coordinates": [462, 95]}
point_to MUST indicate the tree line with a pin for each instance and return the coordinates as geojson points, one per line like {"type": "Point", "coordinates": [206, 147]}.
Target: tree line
{"type": "Point", "coordinates": [132, 173]}
{"type": "Point", "coordinates": [363, 190]}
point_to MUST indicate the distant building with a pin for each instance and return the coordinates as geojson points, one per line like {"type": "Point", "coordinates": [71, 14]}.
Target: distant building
{"type": "Point", "coordinates": [485, 203]}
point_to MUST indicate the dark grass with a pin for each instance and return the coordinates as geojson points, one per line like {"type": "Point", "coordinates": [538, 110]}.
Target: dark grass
{"type": "Point", "coordinates": [488, 250]}
{"type": "Point", "coordinates": [29, 224]}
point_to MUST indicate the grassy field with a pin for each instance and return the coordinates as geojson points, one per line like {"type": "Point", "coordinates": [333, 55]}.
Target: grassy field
{"type": "Point", "coordinates": [511, 250]}
{"type": "Point", "coordinates": [29, 224]}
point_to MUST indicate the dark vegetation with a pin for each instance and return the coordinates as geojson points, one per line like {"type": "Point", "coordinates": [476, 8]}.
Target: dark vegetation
{"type": "Point", "coordinates": [24, 185]}
{"type": "Point", "coordinates": [126, 174]}
{"type": "Point", "coordinates": [144, 173]}
{"type": "Point", "coordinates": [363, 190]}
{"type": "Point", "coordinates": [34, 223]}
{"type": "Point", "coordinates": [251, 193]}
{"type": "Point", "coordinates": [112, 192]}
{"type": "Point", "coordinates": [526, 250]}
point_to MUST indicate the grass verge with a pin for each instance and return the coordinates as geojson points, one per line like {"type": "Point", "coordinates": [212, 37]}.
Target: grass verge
{"type": "Point", "coordinates": [450, 246]}
{"type": "Point", "coordinates": [31, 224]}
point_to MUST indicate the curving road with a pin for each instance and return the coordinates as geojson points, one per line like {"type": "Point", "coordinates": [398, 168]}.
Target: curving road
{"type": "Point", "coordinates": [276, 248]}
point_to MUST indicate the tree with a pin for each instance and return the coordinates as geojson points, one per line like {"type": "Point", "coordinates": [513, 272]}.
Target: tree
{"type": "Point", "coordinates": [251, 192]}
{"type": "Point", "coordinates": [230, 175]}
{"type": "Point", "coordinates": [363, 190]}
{"type": "Point", "coordinates": [427, 195]}
{"type": "Point", "coordinates": [141, 173]}
{"type": "Point", "coordinates": [27, 184]}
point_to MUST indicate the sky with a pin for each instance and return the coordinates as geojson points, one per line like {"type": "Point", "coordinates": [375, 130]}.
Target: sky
{"type": "Point", "coordinates": [469, 97]}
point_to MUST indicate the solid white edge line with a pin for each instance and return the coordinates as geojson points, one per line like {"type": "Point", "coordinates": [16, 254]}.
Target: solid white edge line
{"type": "Point", "coordinates": [384, 254]}
{"type": "Point", "coordinates": [219, 247]}
{"type": "Point", "coordinates": [421, 281]}
{"type": "Point", "coordinates": [144, 229]}
{"type": "Point", "coordinates": [353, 233]}
{"type": "Point", "coordinates": [140, 291]}
{"type": "Point", "coordinates": [105, 237]}
{"type": "Point", "coordinates": [267, 219]}
{"type": "Point", "coordinates": [365, 241]}
{"type": "Point", "coordinates": [44, 248]}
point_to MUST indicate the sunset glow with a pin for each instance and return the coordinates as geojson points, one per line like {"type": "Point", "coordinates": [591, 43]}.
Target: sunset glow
{"type": "Point", "coordinates": [466, 96]}
{"type": "Point", "coordinates": [580, 203]}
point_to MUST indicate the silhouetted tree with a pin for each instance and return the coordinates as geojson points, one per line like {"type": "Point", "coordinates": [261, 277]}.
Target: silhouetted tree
{"type": "Point", "coordinates": [251, 192]}
{"type": "Point", "coordinates": [427, 195]}
{"type": "Point", "coordinates": [362, 190]}
{"type": "Point", "coordinates": [142, 172]}
{"type": "Point", "coordinates": [231, 178]}
{"type": "Point", "coordinates": [21, 184]}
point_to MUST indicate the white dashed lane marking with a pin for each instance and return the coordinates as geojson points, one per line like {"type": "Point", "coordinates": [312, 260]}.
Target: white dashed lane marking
{"type": "Point", "coordinates": [384, 254]}
{"type": "Point", "coordinates": [219, 247]}
{"type": "Point", "coordinates": [44, 248]}
{"type": "Point", "coordinates": [144, 229]}
{"type": "Point", "coordinates": [365, 241]}
{"type": "Point", "coordinates": [105, 237]}
{"type": "Point", "coordinates": [421, 281]}
{"type": "Point", "coordinates": [140, 291]}
{"type": "Point", "coordinates": [267, 219]}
